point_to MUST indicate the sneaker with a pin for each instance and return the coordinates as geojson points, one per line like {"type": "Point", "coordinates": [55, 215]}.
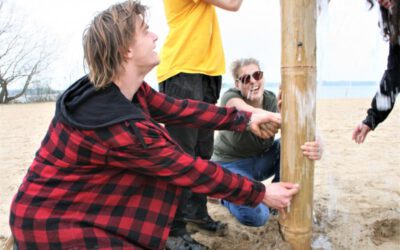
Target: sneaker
{"type": "Point", "coordinates": [207, 225]}
{"type": "Point", "coordinates": [183, 242]}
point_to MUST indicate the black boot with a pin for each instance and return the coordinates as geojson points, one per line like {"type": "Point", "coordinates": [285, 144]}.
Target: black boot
{"type": "Point", "coordinates": [208, 225]}
{"type": "Point", "coordinates": [183, 242]}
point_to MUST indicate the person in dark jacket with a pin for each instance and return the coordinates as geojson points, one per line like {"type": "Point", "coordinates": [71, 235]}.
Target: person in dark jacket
{"type": "Point", "coordinates": [384, 100]}
{"type": "Point", "coordinates": [107, 175]}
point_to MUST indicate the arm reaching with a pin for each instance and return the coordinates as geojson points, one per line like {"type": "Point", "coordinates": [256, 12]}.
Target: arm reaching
{"type": "Point", "coordinates": [270, 121]}
{"type": "Point", "coordinates": [360, 133]}
{"type": "Point", "coordinates": [265, 124]}
{"type": "Point", "coordinates": [162, 158]}
{"type": "Point", "coordinates": [192, 113]}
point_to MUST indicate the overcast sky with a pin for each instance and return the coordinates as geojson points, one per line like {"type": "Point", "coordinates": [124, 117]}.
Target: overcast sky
{"type": "Point", "coordinates": [350, 45]}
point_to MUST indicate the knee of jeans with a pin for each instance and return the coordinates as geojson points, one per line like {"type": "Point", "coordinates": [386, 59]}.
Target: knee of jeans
{"type": "Point", "coordinates": [257, 218]}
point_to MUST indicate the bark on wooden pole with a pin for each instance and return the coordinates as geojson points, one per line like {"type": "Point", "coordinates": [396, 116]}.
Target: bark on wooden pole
{"type": "Point", "coordinates": [298, 71]}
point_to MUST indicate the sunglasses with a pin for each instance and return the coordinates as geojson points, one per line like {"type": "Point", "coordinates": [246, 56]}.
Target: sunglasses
{"type": "Point", "coordinates": [245, 79]}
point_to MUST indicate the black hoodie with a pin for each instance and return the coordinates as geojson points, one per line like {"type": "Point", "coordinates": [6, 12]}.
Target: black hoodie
{"type": "Point", "coordinates": [83, 106]}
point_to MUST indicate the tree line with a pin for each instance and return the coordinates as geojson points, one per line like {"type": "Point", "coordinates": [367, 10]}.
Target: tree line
{"type": "Point", "coordinates": [23, 57]}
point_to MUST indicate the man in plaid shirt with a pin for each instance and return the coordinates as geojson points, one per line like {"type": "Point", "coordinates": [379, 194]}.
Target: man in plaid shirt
{"type": "Point", "coordinates": [107, 175]}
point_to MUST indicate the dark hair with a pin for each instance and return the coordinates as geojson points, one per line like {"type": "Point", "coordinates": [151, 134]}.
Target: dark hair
{"type": "Point", "coordinates": [107, 39]}
{"type": "Point", "coordinates": [390, 21]}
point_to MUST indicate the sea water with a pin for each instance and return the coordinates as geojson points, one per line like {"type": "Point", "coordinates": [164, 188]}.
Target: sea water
{"type": "Point", "coordinates": [331, 89]}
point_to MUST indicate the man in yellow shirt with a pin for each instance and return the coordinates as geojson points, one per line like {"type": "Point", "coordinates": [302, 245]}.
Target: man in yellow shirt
{"type": "Point", "coordinates": [192, 64]}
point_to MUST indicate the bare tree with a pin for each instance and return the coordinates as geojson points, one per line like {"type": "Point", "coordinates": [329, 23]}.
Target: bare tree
{"type": "Point", "coordinates": [22, 60]}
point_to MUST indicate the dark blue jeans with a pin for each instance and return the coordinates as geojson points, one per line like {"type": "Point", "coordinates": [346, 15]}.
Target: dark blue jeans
{"type": "Point", "coordinates": [259, 168]}
{"type": "Point", "coordinates": [196, 142]}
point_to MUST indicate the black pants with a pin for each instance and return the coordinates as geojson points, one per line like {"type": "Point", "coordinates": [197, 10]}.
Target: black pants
{"type": "Point", "coordinates": [196, 142]}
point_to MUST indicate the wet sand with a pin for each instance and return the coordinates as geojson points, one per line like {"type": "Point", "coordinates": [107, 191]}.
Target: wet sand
{"type": "Point", "coordinates": [356, 194]}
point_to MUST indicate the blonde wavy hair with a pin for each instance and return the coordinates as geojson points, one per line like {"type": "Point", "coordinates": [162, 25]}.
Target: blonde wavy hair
{"type": "Point", "coordinates": [107, 38]}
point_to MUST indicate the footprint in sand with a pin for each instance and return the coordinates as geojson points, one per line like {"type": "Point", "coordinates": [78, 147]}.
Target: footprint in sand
{"type": "Point", "coordinates": [386, 230]}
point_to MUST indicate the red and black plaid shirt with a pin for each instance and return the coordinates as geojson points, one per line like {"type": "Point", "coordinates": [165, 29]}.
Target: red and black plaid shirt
{"type": "Point", "coordinates": [118, 187]}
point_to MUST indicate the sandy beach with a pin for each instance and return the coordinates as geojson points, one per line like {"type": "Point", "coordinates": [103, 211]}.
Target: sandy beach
{"type": "Point", "coordinates": [356, 193]}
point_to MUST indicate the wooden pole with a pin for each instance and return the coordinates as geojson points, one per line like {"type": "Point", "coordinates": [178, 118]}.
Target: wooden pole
{"type": "Point", "coordinates": [298, 71]}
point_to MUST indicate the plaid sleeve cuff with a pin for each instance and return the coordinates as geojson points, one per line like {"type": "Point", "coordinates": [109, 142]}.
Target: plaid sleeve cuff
{"type": "Point", "coordinates": [370, 122]}
{"type": "Point", "coordinates": [257, 195]}
{"type": "Point", "coordinates": [242, 120]}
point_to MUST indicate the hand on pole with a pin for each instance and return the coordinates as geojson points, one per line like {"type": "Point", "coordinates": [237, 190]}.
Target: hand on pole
{"type": "Point", "coordinates": [280, 99]}
{"type": "Point", "coordinates": [278, 195]}
{"type": "Point", "coordinates": [313, 150]}
{"type": "Point", "coordinates": [265, 124]}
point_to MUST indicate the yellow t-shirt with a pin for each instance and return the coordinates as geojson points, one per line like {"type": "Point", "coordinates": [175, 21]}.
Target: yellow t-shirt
{"type": "Point", "coordinates": [193, 44]}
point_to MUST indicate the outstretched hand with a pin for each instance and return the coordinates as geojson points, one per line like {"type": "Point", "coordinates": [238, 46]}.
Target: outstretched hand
{"type": "Point", "coordinates": [278, 195]}
{"type": "Point", "coordinates": [265, 124]}
{"type": "Point", "coordinates": [360, 133]}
